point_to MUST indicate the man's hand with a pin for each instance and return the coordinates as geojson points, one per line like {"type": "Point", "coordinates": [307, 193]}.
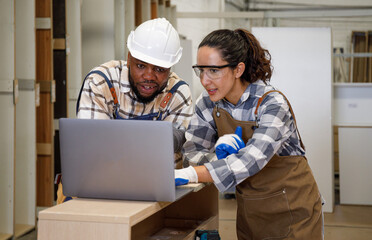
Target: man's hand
{"type": "Point", "coordinates": [185, 175]}
{"type": "Point", "coordinates": [229, 144]}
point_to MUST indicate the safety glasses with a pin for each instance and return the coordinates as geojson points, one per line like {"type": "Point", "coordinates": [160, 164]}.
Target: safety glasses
{"type": "Point", "coordinates": [212, 71]}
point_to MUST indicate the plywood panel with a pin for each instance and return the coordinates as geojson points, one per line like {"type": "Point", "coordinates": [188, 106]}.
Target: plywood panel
{"type": "Point", "coordinates": [302, 70]}
{"type": "Point", "coordinates": [369, 68]}
{"type": "Point", "coordinates": [138, 12]}
{"type": "Point", "coordinates": [359, 63]}
{"type": "Point", "coordinates": [44, 113]}
{"type": "Point", "coordinates": [43, 54]}
{"type": "Point", "coordinates": [44, 122]}
{"type": "Point", "coordinates": [43, 8]}
{"type": "Point", "coordinates": [154, 9]}
{"type": "Point", "coordinates": [44, 181]}
{"type": "Point", "coordinates": [59, 19]}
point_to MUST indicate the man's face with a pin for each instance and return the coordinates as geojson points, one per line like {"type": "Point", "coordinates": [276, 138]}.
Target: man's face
{"type": "Point", "coordinates": [146, 80]}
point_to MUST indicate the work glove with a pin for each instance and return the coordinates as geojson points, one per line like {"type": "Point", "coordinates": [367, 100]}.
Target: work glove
{"type": "Point", "coordinates": [229, 144]}
{"type": "Point", "coordinates": [185, 175]}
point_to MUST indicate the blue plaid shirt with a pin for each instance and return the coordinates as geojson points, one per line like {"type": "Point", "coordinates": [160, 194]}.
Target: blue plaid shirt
{"type": "Point", "coordinates": [276, 134]}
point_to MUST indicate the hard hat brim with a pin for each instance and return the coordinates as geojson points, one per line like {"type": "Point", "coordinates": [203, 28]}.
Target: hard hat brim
{"type": "Point", "coordinates": [153, 61]}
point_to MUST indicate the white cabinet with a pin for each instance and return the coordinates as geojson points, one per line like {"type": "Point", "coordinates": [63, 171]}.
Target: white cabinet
{"type": "Point", "coordinates": [355, 149]}
{"type": "Point", "coordinates": [353, 116]}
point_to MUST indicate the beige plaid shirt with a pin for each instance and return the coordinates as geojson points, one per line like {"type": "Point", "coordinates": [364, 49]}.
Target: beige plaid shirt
{"type": "Point", "coordinates": [97, 102]}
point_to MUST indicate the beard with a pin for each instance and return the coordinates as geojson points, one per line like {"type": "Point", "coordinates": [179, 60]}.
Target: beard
{"type": "Point", "coordinates": [141, 98]}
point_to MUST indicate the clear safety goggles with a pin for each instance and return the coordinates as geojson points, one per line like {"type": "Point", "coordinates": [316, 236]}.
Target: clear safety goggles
{"type": "Point", "coordinates": [212, 71]}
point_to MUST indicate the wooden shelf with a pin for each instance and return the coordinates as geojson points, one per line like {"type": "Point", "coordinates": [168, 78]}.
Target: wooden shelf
{"type": "Point", "coordinates": [22, 229]}
{"type": "Point", "coordinates": [355, 84]}
{"type": "Point", "coordinates": [353, 125]}
{"type": "Point", "coordinates": [5, 236]}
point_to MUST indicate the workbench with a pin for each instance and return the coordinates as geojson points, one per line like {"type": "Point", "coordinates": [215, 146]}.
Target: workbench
{"type": "Point", "coordinates": [119, 219]}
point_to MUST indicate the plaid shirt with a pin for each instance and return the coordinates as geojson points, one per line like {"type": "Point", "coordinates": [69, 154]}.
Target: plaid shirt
{"type": "Point", "coordinates": [97, 102]}
{"type": "Point", "coordinates": [276, 134]}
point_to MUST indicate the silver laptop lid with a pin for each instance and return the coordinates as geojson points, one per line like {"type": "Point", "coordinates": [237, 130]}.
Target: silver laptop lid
{"type": "Point", "coordinates": [117, 159]}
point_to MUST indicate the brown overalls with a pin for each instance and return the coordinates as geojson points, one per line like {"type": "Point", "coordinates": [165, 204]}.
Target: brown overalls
{"type": "Point", "coordinates": [281, 201]}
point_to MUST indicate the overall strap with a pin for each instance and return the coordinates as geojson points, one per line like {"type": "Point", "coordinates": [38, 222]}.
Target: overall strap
{"type": "Point", "coordinates": [290, 109]}
{"type": "Point", "coordinates": [168, 97]}
{"type": "Point", "coordinates": [112, 89]}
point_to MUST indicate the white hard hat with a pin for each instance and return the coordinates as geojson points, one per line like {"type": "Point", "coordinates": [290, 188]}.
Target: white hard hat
{"type": "Point", "coordinates": [155, 42]}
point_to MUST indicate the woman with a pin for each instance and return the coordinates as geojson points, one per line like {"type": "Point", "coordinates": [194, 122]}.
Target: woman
{"type": "Point", "coordinates": [276, 192]}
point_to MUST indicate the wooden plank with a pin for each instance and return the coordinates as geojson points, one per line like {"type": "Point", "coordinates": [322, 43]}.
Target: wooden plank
{"type": "Point", "coordinates": [154, 9]}
{"type": "Point", "coordinates": [336, 149]}
{"type": "Point", "coordinates": [45, 164]}
{"type": "Point", "coordinates": [59, 18]}
{"type": "Point", "coordinates": [43, 8]}
{"type": "Point", "coordinates": [5, 236]}
{"type": "Point", "coordinates": [22, 229]}
{"type": "Point", "coordinates": [360, 63]}
{"type": "Point", "coordinates": [137, 12]}
{"type": "Point", "coordinates": [369, 68]}
{"type": "Point", "coordinates": [60, 75]}
{"type": "Point", "coordinates": [60, 72]}
{"type": "Point", "coordinates": [43, 55]}
{"type": "Point", "coordinates": [59, 44]}
{"type": "Point", "coordinates": [44, 113]}
{"type": "Point", "coordinates": [44, 181]}
{"type": "Point", "coordinates": [44, 149]}
{"type": "Point", "coordinates": [44, 124]}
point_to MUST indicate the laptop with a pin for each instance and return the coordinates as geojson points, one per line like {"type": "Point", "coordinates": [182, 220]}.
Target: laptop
{"type": "Point", "coordinates": [118, 159]}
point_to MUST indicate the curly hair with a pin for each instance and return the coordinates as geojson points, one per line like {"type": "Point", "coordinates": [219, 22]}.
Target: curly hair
{"type": "Point", "coordinates": [241, 46]}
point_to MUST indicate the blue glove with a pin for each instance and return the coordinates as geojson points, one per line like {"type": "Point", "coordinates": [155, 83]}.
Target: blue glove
{"type": "Point", "coordinates": [181, 181]}
{"type": "Point", "coordinates": [229, 144]}
{"type": "Point", "coordinates": [185, 175]}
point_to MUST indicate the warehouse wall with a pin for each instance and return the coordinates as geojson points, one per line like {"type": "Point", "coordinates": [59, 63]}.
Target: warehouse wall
{"type": "Point", "coordinates": [195, 29]}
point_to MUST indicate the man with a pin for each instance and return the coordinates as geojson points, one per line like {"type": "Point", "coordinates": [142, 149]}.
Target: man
{"type": "Point", "coordinates": [144, 87]}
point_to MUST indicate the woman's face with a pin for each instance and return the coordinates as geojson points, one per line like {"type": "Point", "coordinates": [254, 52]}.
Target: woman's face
{"type": "Point", "coordinates": [219, 82]}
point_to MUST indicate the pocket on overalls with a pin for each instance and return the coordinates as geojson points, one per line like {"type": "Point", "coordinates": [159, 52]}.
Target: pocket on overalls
{"type": "Point", "coordinates": [267, 216]}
